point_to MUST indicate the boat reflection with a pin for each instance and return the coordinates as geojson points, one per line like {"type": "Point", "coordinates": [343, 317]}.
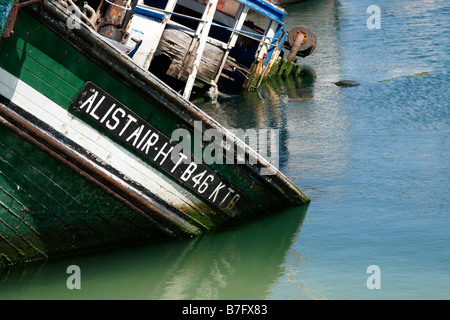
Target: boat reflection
{"type": "Point", "coordinates": [240, 263]}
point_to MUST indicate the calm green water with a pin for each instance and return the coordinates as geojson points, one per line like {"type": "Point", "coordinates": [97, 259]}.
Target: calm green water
{"type": "Point", "coordinates": [374, 159]}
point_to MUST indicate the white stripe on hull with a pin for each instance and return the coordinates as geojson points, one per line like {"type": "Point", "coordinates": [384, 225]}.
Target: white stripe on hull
{"type": "Point", "coordinates": [100, 146]}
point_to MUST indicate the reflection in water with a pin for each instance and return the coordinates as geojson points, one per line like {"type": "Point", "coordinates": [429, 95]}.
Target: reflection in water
{"type": "Point", "coordinates": [308, 110]}
{"type": "Point", "coordinates": [241, 263]}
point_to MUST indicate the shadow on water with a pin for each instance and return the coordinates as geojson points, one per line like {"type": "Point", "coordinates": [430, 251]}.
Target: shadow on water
{"type": "Point", "coordinates": [239, 263]}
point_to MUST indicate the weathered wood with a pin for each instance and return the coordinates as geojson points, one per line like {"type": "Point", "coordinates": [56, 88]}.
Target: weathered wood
{"type": "Point", "coordinates": [242, 15]}
{"type": "Point", "coordinates": [175, 43]}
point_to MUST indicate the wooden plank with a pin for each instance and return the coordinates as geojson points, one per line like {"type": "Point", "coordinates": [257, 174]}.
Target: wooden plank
{"type": "Point", "coordinates": [30, 183]}
{"type": "Point", "coordinates": [65, 224]}
{"type": "Point", "coordinates": [242, 15]}
{"type": "Point", "coordinates": [64, 202]}
{"type": "Point", "coordinates": [59, 57]}
{"type": "Point", "coordinates": [174, 43]}
{"type": "Point", "coordinates": [52, 230]}
{"type": "Point", "coordinates": [70, 64]}
{"type": "Point", "coordinates": [56, 66]}
{"type": "Point", "coordinates": [8, 252]}
{"type": "Point", "coordinates": [13, 232]}
{"type": "Point", "coordinates": [35, 66]}
{"type": "Point", "coordinates": [118, 159]}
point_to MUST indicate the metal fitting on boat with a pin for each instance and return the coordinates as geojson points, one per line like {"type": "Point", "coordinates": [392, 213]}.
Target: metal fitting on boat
{"type": "Point", "coordinates": [302, 42]}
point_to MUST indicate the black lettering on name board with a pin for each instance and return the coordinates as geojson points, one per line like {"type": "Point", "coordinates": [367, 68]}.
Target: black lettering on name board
{"type": "Point", "coordinates": [156, 147]}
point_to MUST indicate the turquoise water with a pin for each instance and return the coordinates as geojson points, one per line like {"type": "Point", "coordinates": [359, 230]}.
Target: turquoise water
{"type": "Point", "coordinates": [374, 159]}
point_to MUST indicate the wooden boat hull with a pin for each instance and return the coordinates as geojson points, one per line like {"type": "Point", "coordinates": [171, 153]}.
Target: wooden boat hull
{"type": "Point", "coordinates": [80, 172]}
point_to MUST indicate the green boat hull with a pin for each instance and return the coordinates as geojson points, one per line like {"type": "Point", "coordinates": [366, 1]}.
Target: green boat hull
{"type": "Point", "coordinates": [48, 210]}
{"type": "Point", "coordinates": [68, 183]}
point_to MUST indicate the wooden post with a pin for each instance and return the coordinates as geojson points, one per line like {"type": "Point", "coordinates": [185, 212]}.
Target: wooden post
{"type": "Point", "coordinates": [204, 32]}
{"type": "Point", "coordinates": [242, 15]}
{"type": "Point", "coordinates": [170, 6]}
{"type": "Point", "coordinates": [260, 66]}
{"type": "Point", "coordinates": [194, 43]}
{"type": "Point", "coordinates": [265, 44]}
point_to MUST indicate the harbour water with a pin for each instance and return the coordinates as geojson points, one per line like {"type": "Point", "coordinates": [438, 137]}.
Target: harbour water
{"type": "Point", "coordinates": [374, 159]}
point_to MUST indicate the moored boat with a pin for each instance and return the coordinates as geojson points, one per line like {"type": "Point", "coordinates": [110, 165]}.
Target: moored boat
{"type": "Point", "coordinates": [87, 152]}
